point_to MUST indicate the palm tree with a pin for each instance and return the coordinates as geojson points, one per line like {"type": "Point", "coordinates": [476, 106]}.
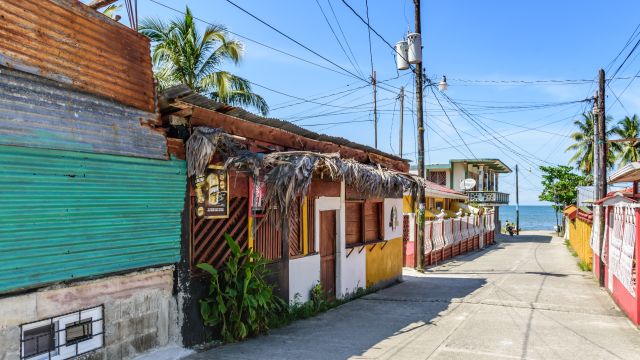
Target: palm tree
{"type": "Point", "coordinates": [183, 55]}
{"type": "Point", "coordinates": [627, 128]}
{"type": "Point", "coordinates": [583, 146]}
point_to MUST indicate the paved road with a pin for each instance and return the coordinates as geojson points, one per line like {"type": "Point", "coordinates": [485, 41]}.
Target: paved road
{"type": "Point", "coordinates": [523, 298]}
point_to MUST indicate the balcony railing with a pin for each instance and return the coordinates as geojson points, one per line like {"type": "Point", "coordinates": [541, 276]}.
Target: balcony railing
{"type": "Point", "coordinates": [488, 197]}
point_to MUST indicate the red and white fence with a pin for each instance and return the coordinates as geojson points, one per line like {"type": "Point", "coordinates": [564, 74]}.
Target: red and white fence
{"type": "Point", "coordinates": [620, 253]}
{"type": "Point", "coordinates": [445, 239]}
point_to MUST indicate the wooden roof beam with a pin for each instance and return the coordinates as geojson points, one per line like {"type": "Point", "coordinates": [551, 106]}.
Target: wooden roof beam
{"type": "Point", "coordinates": [248, 129]}
{"type": "Point", "coordinates": [97, 4]}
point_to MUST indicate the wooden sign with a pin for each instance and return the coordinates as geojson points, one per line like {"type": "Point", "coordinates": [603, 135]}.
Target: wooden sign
{"type": "Point", "coordinates": [213, 193]}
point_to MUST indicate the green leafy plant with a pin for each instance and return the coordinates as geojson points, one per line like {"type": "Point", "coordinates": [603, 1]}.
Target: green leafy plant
{"type": "Point", "coordinates": [240, 301]}
{"type": "Point", "coordinates": [584, 266]}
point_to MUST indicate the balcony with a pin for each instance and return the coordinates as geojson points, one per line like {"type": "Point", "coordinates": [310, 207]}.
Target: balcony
{"type": "Point", "coordinates": [488, 198]}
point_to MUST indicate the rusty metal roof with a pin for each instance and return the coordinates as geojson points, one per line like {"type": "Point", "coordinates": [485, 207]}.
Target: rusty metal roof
{"type": "Point", "coordinates": [186, 95]}
{"type": "Point", "coordinates": [69, 42]}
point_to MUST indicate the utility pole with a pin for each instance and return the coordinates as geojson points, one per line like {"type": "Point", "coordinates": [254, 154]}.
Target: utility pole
{"type": "Point", "coordinates": [600, 167]}
{"type": "Point", "coordinates": [401, 116]}
{"type": "Point", "coordinates": [375, 109]}
{"type": "Point", "coordinates": [419, 120]}
{"type": "Point", "coordinates": [517, 204]}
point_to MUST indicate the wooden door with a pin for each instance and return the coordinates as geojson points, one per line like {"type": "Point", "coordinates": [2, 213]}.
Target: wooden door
{"type": "Point", "coordinates": [328, 252]}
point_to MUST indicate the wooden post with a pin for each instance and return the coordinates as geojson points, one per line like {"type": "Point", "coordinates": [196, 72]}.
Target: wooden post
{"type": "Point", "coordinates": [420, 125]}
{"type": "Point", "coordinates": [600, 166]}
{"type": "Point", "coordinates": [401, 117]}
{"type": "Point", "coordinates": [375, 110]}
{"type": "Point", "coordinates": [517, 204]}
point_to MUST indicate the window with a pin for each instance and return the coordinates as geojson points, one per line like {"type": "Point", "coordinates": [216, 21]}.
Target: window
{"type": "Point", "coordinates": [63, 337]}
{"type": "Point", "coordinates": [353, 222]}
{"type": "Point", "coordinates": [438, 177]}
{"type": "Point", "coordinates": [373, 221]}
{"type": "Point", "coordinates": [78, 331]}
{"type": "Point", "coordinates": [363, 222]}
{"type": "Point", "coordinates": [38, 340]}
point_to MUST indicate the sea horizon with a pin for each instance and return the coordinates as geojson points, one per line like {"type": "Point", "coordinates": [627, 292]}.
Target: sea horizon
{"type": "Point", "coordinates": [532, 217]}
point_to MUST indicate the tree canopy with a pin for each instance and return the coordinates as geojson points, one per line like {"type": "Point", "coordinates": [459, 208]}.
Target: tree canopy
{"type": "Point", "coordinates": [559, 185]}
{"type": "Point", "coordinates": [184, 55]}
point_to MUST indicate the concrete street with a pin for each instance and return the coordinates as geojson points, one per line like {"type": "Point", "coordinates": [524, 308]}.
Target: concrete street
{"type": "Point", "coordinates": [523, 298]}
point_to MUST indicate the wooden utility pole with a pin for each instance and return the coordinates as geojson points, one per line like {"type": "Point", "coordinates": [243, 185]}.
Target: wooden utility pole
{"type": "Point", "coordinates": [419, 121]}
{"type": "Point", "coordinates": [600, 167]}
{"type": "Point", "coordinates": [517, 203]}
{"type": "Point", "coordinates": [401, 116]}
{"type": "Point", "coordinates": [375, 110]}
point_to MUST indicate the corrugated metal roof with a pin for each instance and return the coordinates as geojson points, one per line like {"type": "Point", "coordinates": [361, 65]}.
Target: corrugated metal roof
{"type": "Point", "coordinates": [627, 173]}
{"type": "Point", "coordinates": [37, 112]}
{"type": "Point", "coordinates": [184, 94]}
{"type": "Point", "coordinates": [66, 215]}
{"type": "Point", "coordinates": [69, 42]}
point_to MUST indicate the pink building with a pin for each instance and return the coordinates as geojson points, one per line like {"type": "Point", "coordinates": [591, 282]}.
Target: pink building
{"type": "Point", "coordinates": [620, 249]}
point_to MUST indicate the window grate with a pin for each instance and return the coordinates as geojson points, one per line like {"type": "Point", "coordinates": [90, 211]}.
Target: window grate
{"type": "Point", "coordinates": [64, 336]}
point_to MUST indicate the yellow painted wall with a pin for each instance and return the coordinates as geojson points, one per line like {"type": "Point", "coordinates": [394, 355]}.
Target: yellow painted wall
{"type": "Point", "coordinates": [579, 237]}
{"type": "Point", "coordinates": [384, 264]}
{"type": "Point", "coordinates": [406, 205]}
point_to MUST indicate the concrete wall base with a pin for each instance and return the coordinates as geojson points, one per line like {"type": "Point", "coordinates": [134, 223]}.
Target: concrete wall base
{"type": "Point", "coordinates": [140, 312]}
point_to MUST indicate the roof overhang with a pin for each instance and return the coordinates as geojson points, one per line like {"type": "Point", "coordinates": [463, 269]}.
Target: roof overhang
{"type": "Point", "coordinates": [494, 164]}
{"type": "Point", "coordinates": [627, 173]}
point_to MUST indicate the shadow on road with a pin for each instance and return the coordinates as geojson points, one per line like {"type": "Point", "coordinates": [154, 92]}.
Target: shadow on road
{"type": "Point", "coordinates": [356, 327]}
{"type": "Point", "coordinates": [524, 238]}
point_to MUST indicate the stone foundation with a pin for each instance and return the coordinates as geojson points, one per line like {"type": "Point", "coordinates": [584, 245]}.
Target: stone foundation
{"type": "Point", "coordinates": [140, 312]}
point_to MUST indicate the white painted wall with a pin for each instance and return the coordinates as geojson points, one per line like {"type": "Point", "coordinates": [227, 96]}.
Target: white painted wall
{"type": "Point", "coordinates": [458, 175]}
{"type": "Point", "coordinates": [353, 271]}
{"type": "Point", "coordinates": [304, 273]}
{"type": "Point", "coordinates": [395, 231]}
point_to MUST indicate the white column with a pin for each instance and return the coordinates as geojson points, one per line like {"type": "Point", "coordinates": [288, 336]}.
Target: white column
{"type": "Point", "coordinates": [481, 178]}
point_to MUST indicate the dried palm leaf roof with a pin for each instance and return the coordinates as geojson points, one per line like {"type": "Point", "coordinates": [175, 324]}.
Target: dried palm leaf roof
{"type": "Point", "coordinates": [288, 174]}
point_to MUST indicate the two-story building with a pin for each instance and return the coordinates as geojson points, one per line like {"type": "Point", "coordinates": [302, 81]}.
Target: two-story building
{"type": "Point", "coordinates": [486, 174]}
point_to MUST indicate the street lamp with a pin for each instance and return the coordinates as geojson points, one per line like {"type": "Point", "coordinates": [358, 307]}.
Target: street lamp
{"type": "Point", "coordinates": [442, 85]}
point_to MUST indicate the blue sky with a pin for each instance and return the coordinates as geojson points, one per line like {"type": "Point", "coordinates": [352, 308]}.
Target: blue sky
{"type": "Point", "coordinates": [480, 45]}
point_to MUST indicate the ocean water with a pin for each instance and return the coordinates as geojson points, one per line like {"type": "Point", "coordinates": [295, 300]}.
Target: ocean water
{"type": "Point", "coordinates": [541, 217]}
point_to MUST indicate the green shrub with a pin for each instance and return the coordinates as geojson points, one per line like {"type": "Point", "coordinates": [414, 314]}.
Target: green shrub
{"type": "Point", "coordinates": [240, 301]}
{"type": "Point", "coordinates": [584, 266]}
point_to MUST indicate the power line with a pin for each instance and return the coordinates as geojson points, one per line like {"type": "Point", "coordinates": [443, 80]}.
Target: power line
{"type": "Point", "coordinates": [261, 43]}
{"type": "Point", "coordinates": [617, 100]}
{"type": "Point", "coordinates": [393, 115]}
{"type": "Point", "coordinates": [345, 38]}
{"type": "Point", "coordinates": [451, 122]}
{"type": "Point", "coordinates": [326, 19]}
{"type": "Point", "coordinates": [320, 97]}
{"type": "Point", "coordinates": [366, 2]}
{"type": "Point", "coordinates": [337, 123]}
{"type": "Point", "coordinates": [490, 132]}
{"type": "Point", "coordinates": [626, 58]}
{"type": "Point", "coordinates": [629, 41]}
{"type": "Point", "coordinates": [366, 22]}
{"type": "Point", "coordinates": [293, 40]}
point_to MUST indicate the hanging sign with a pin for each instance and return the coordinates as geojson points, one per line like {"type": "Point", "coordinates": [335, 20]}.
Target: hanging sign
{"type": "Point", "coordinates": [257, 192]}
{"type": "Point", "coordinates": [213, 193]}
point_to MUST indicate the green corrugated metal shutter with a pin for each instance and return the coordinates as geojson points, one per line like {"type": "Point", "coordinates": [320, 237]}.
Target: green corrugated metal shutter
{"type": "Point", "coordinates": [66, 215]}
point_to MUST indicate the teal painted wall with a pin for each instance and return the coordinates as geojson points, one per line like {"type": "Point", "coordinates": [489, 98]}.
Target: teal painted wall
{"type": "Point", "coordinates": [67, 215]}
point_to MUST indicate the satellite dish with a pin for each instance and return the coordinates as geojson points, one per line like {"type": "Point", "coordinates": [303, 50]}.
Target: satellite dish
{"type": "Point", "coordinates": [467, 184]}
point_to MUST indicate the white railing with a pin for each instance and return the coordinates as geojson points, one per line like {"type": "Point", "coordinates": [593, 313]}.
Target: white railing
{"type": "Point", "coordinates": [442, 233]}
{"type": "Point", "coordinates": [621, 238]}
